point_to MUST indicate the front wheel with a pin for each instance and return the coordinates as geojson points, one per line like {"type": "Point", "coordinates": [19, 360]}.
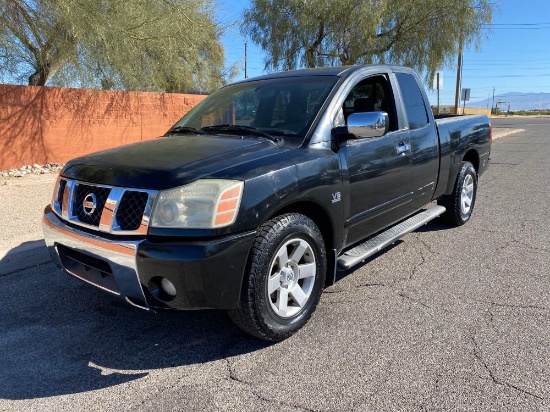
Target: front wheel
{"type": "Point", "coordinates": [460, 204]}
{"type": "Point", "coordinates": [285, 278]}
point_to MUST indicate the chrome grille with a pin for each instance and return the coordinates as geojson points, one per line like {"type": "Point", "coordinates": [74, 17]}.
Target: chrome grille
{"type": "Point", "coordinates": [117, 210]}
{"type": "Point", "coordinates": [101, 193]}
{"type": "Point", "coordinates": [130, 210]}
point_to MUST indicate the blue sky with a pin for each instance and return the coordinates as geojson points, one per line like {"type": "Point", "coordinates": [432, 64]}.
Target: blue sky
{"type": "Point", "coordinates": [514, 57]}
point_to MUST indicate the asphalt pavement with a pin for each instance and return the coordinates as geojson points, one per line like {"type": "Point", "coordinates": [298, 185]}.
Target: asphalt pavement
{"type": "Point", "coordinates": [446, 319]}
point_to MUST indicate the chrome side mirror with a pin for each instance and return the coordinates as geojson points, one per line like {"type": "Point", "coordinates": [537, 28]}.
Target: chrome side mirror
{"type": "Point", "coordinates": [368, 124]}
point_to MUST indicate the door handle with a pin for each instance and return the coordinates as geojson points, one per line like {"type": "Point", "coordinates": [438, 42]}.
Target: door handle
{"type": "Point", "coordinates": [403, 148]}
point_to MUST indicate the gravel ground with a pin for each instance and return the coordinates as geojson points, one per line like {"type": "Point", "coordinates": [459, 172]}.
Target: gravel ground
{"type": "Point", "coordinates": [23, 200]}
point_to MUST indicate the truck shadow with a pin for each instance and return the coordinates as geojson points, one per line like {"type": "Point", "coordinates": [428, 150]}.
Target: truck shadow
{"type": "Point", "coordinates": [434, 226]}
{"type": "Point", "coordinates": [60, 336]}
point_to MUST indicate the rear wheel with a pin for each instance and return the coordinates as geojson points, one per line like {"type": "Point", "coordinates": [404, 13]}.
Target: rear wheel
{"type": "Point", "coordinates": [286, 274]}
{"type": "Point", "coordinates": [460, 204]}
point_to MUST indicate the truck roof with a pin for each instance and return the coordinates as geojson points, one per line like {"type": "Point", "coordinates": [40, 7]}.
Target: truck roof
{"type": "Point", "coordinates": [341, 71]}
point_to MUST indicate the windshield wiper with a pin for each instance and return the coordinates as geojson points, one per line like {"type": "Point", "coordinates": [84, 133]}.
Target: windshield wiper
{"type": "Point", "coordinates": [183, 129]}
{"type": "Point", "coordinates": [239, 128]}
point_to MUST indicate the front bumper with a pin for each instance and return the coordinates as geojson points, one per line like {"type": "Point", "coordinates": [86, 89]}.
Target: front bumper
{"type": "Point", "coordinates": [204, 274]}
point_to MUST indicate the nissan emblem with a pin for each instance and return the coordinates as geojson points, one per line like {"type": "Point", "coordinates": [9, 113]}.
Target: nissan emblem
{"type": "Point", "coordinates": [89, 204]}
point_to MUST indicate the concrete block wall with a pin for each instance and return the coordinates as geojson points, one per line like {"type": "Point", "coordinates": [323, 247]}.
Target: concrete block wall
{"type": "Point", "coordinates": [50, 124]}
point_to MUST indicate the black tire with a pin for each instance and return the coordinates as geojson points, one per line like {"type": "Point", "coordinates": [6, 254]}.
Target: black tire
{"type": "Point", "coordinates": [457, 213]}
{"type": "Point", "coordinates": [258, 314]}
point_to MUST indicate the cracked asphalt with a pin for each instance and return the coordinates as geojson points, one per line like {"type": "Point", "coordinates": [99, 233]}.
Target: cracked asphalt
{"type": "Point", "coordinates": [445, 319]}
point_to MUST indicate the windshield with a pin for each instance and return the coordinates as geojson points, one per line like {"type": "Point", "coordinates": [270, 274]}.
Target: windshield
{"type": "Point", "coordinates": [279, 107]}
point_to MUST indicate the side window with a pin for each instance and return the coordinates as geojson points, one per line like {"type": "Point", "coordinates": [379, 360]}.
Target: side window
{"type": "Point", "coordinates": [413, 101]}
{"type": "Point", "coordinates": [369, 95]}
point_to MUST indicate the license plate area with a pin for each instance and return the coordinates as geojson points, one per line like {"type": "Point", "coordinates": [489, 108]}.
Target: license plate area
{"type": "Point", "coordinates": [90, 269]}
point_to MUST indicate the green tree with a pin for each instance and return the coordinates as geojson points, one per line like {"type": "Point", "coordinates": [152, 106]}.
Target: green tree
{"type": "Point", "coordinates": [424, 34]}
{"type": "Point", "coordinates": [157, 45]}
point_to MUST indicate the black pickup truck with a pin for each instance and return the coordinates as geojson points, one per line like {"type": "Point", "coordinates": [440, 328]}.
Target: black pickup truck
{"type": "Point", "coordinates": [256, 197]}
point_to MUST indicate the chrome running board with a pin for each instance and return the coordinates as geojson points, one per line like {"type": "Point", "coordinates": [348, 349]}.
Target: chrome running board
{"type": "Point", "coordinates": [374, 245]}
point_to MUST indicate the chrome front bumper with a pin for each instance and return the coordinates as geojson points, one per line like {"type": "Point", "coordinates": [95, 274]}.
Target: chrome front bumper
{"type": "Point", "coordinates": [109, 265]}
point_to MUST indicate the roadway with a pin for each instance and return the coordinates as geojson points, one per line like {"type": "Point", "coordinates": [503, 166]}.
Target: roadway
{"type": "Point", "coordinates": [446, 319]}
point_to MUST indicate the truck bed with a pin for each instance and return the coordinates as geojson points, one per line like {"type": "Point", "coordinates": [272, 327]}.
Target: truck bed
{"type": "Point", "coordinates": [458, 135]}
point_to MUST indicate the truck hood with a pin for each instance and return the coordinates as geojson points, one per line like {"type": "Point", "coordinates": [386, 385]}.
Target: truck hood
{"type": "Point", "coordinates": [168, 161]}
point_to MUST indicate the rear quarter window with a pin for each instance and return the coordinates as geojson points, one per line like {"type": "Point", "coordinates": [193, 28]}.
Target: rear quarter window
{"type": "Point", "coordinates": [413, 101]}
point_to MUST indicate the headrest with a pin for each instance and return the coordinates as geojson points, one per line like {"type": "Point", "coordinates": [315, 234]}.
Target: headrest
{"type": "Point", "coordinates": [364, 104]}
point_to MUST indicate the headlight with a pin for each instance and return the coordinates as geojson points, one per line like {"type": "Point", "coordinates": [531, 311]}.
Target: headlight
{"type": "Point", "coordinates": [204, 204]}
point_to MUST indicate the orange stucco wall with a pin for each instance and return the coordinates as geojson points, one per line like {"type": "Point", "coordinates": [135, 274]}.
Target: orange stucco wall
{"type": "Point", "coordinates": [51, 124]}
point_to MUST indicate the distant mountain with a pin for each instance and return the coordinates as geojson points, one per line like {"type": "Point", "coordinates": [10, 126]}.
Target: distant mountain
{"type": "Point", "coordinates": [518, 101]}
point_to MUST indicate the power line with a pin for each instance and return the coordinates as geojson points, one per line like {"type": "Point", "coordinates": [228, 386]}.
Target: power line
{"type": "Point", "coordinates": [524, 94]}
{"type": "Point", "coordinates": [510, 62]}
{"type": "Point", "coordinates": [502, 64]}
{"type": "Point", "coordinates": [535, 87]}
{"type": "Point", "coordinates": [517, 28]}
{"type": "Point", "coordinates": [509, 75]}
{"type": "Point", "coordinates": [517, 51]}
{"type": "Point", "coordinates": [514, 24]}
{"type": "Point", "coordinates": [519, 68]}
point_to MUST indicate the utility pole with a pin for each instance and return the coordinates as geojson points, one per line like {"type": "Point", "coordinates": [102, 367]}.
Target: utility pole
{"type": "Point", "coordinates": [493, 100]}
{"type": "Point", "coordinates": [458, 74]}
{"type": "Point", "coordinates": [437, 92]}
{"type": "Point", "coordinates": [245, 58]}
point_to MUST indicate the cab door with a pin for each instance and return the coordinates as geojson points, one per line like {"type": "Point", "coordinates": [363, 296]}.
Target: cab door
{"type": "Point", "coordinates": [423, 139]}
{"type": "Point", "coordinates": [379, 169]}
